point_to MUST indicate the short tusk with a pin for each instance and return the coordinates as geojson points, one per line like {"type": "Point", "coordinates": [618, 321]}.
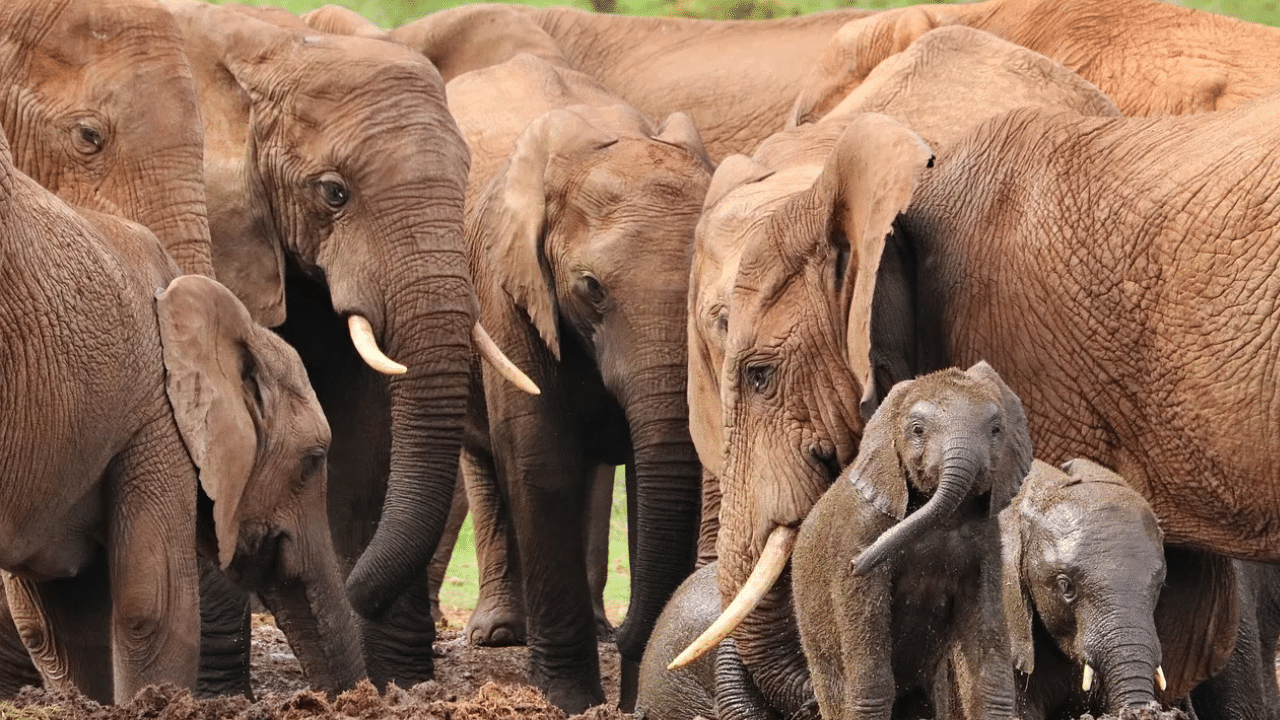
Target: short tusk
{"type": "Point", "coordinates": [367, 346]}
{"type": "Point", "coordinates": [777, 549]}
{"type": "Point", "coordinates": [500, 362]}
{"type": "Point", "coordinates": [1160, 681]}
{"type": "Point", "coordinates": [1087, 684]}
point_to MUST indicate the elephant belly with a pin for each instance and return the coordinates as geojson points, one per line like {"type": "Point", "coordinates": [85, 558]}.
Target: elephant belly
{"type": "Point", "coordinates": [935, 580]}
{"type": "Point", "coordinates": [39, 543]}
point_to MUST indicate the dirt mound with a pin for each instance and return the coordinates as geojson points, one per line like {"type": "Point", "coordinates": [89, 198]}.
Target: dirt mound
{"type": "Point", "coordinates": [1150, 712]}
{"type": "Point", "coordinates": [429, 700]}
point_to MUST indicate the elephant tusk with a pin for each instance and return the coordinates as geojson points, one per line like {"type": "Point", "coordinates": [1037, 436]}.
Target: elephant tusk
{"type": "Point", "coordinates": [500, 362]}
{"type": "Point", "coordinates": [1087, 684]}
{"type": "Point", "coordinates": [777, 550]}
{"type": "Point", "coordinates": [1160, 681]}
{"type": "Point", "coordinates": [367, 346]}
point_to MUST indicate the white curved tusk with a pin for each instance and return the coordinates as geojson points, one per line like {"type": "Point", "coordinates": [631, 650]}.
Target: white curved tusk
{"type": "Point", "coordinates": [1087, 684]}
{"type": "Point", "coordinates": [367, 346]}
{"type": "Point", "coordinates": [500, 362]}
{"type": "Point", "coordinates": [1160, 681]}
{"type": "Point", "coordinates": [777, 549]}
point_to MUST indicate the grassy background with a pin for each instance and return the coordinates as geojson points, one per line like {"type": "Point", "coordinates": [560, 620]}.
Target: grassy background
{"type": "Point", "coordinates": [392, 13]}
{"type": "Point", "coordinates": [458, 594]}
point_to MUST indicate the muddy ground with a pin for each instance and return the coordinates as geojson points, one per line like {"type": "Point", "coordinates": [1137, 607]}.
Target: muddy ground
{"type": "Point", "coordinates": [471, 684]}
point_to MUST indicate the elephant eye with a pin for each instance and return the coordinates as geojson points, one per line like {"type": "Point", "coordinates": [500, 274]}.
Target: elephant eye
{"type": "Point", "coordinates": [917, 428]}
{"type": "Point", "coordinates": [996, 430]}
{"type": "Point", "coordinates": [86, 139]}
{"type": "Point", "coordinates": [335, 194]}
{"type": "Point", "coordinates": [595, 292]}
{"type": "Point", "coordinates": [758, 377]}
{"type": "Point", "coordinates": [313, 461]}
{"type": "Point", "coordinates": [1066, 588]}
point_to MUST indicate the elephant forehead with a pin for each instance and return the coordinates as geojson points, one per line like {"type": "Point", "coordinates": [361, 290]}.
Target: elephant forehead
{"type": "Point", "coordinates": [1073, 534]}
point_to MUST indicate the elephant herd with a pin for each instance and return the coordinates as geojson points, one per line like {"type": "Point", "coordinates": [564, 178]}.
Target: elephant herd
{"type": "Point", "coordinates": [483, 258]}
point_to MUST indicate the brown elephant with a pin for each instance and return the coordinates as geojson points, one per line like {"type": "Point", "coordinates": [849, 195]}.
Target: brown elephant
{"type": "Point", "coordinates": [896, 571]}
{"type": "Point", "coordinates": [157, 404]}
{"type": "Point", "coordinates": [1097, 608]}
{"type": "Point", "coordinates": [579, 223]}
{"type": "Point", "coordinates": [1151, 58]}
{"type": "Point", "coordinates": [790, 254]}
{"type": "Point", "coordinates": [333, 159]}
{"type": "Point", "coordinates": [735, 78]}
{"type": "Point", "coordinates": [1115, 271]}
{"type": "Point", "coordinates": [135, 154]}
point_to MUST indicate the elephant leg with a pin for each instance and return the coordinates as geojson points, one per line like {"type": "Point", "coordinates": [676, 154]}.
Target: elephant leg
{"type": "Point", "coordinates": [598, 544]}
{"type": "Point", "coordinates": [151, 558]}
{"type": "Point", "coordinates": [16, 669]}
{"type": "Point", "coordinates": [439, 566]}
{"type": "Point", "coordinates": [549, 504]}
{"type": "Point", "coordinates": [498, 619]}
{"type": "Point", "coordinates": [709, 528]}
{"type": "Point", "coordinates": [980, 665]}
{"type": "Point", "coordinates": [62, 624]}
{"type": "Point", "coordinates": [224, 635]}
{"type": "Point", "coordinates": [398, 646]}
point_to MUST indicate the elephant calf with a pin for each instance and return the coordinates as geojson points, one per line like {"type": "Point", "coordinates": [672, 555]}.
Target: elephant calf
{"type": "Point", "coordinates": [1102, 616]}
{"type": "Point", "coordinates": [901, 613]}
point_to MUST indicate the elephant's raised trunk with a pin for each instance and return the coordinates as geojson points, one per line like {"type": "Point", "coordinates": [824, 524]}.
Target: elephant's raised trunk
{"type": "Point", "coordinates": [960, 466]}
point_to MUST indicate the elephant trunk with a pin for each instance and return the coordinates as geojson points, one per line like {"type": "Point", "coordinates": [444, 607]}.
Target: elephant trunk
{"type": "Point", "coordinates": [311, 609]}
{"type": "Point", "coordinates": [428, 402]}
{"type": "Point", "coordinates": [960, 467]}
{"type": "Point", "coordinates": [768, 641]}
{"type": "Point", "coordinates": [178, 216]}
{"type": "Point", "coordinates": [1127, 660]}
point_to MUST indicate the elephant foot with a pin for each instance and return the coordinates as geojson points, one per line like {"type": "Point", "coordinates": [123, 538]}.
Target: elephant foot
{"type": "Point", "coordinates": [494, 624]}
{"type": "Point", "coordinates": [573, 691]}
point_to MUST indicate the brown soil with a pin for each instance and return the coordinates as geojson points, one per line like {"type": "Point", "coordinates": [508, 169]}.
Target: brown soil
{"type": "Point", "coordinates": [471, 684]}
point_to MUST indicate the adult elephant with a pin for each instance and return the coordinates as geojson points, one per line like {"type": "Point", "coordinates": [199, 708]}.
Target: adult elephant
{"type": "Point", "coordinates": [579, 222]}
{"type": "Point", "coordinates": [105, 442]}
{"type": "Point", "coordinates": [1151, 58]}
{"type": "Point", "coordinates": [1111, 280]}
{"type": "Point", "coordinates": [790, 254]}
{"type": "Point", "coordinates": [334, 159]}
{"type": "Point", "coordinates": [735, 78]}
{"type": "Point", "coordinates": [136, 154]}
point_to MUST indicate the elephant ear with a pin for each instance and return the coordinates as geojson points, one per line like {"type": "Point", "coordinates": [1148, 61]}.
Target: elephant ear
{"type": "Point", "coordinates": [877, 471]}
{"type": "Point", "coordinates": [855, 49]}
{"type": "Point", "coordinates": [679, 131]}
{"type": "Point", "coordinates": [867, 182]}
{"type": "Point", "coordinates": [1015, 595]}
{"type": "Point", "coordinates": [1015, 462]}
{"type": "Point", "coordinates": [733, 171]}
{"type": "Point", "coordinates": [1196, 618]}
{"type": "Point", "coordinates": [227, 50]}
{"type": "Point", "coordinates": [211, 377]}
{"type": "Point", "coordinates": [513, 214]}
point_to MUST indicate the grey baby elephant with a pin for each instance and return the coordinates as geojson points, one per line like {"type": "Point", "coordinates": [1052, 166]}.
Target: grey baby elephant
{"type": "Point", "coordinates": [1102, 616]}
{"type": "Point", "coordinates": [896, 571]}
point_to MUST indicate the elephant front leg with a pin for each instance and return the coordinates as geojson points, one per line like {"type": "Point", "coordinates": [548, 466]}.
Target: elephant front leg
{"type": "Point", "coordinates": [16, 669]}
{"type": "Point", "coordinates": [439, 566]}
{"type": "Point", "coordinates": [155, 613]}
{"type": "Point", "coordinates": [549, 511]}
{"type": "Point", "coordinates": [979, 655]}
{"type": "Point", "coordinates": [498, 619]}
{"type": "Point", "coordinates": [597, 542]}
{"type": "Point", "coordinates": [224, 635]}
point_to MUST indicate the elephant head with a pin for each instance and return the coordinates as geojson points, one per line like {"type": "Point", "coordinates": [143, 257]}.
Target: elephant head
{"type": "Point", "coordinates": [1092, 593]}
{"type": "Point", "coordinates": [340, 20]}
{"type": "Point", "coordinates": [937, 440]}
{"type": "Point", "coordinates": [255, 431]}
{"type": "Point", "coordinates": [100, 108]}
{"type": "Point", "coordinates": [340, 152]}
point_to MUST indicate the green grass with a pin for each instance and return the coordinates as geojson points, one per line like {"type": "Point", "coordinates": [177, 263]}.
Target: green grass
{"type": "Point", "coordinates": [392, 13]}
{"type": "Point", "coordinates": [460, 588]}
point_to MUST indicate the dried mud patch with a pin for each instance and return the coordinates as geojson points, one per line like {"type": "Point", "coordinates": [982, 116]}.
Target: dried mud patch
{"type": "Point", "coordinates": [471, 684]}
